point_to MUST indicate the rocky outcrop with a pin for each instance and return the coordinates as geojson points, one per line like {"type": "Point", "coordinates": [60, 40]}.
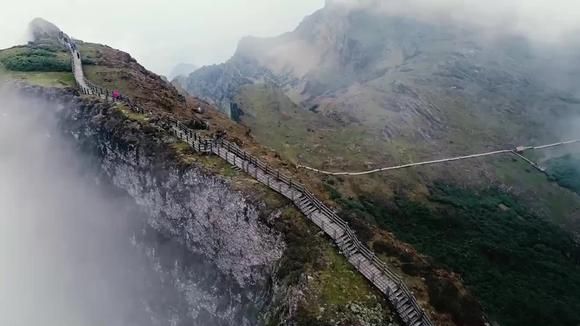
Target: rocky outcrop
{"type": "Point", "coordinates": [189, 203]}
{"type": "Point", "coordinates": [219, 84]}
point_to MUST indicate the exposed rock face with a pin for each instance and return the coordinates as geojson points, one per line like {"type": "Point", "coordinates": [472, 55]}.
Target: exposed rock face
{"type": "Point", "coordinates": [222, 226]}
{"type": "Point", "coordinates": [219, 84]}
{"type": "Point", "coordinates": [190, 204]}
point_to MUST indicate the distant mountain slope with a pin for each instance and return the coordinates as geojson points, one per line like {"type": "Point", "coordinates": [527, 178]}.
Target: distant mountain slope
{"type": "Point", "coordinates": [182, 69]}
{"type": "Point", "coordinates": [402, 79]}
{"type": "Point", "coordinates": [399, 89]}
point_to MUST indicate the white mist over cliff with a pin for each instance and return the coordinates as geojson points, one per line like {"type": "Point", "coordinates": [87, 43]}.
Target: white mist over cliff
{"type": "Point", "coordinates": [65, 251]}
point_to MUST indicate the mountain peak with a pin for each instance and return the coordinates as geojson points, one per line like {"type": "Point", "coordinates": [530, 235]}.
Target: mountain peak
{"type": "Point", "coordinates": [41, 28]}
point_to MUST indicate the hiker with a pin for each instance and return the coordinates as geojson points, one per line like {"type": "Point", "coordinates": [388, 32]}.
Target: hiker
{"type": "Point", "coordinates": [79, 55]}
{"type": "Point", "coordinates": [116, 95]}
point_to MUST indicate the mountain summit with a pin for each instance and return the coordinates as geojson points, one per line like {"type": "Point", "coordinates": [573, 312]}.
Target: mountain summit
{"type": "Point", "coordinates": [40, 28]}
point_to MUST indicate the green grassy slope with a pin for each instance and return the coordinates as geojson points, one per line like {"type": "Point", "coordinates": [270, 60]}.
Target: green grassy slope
{"type": "Point", "coordinates": [43, 64]}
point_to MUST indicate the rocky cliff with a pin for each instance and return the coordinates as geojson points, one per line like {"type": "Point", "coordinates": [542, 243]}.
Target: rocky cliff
{"type": "Point", "coordinates": [246, 237]}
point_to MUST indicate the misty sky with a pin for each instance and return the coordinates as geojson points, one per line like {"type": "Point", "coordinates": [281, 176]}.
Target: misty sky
{"type": "Point", "coordinates": [161, 34]}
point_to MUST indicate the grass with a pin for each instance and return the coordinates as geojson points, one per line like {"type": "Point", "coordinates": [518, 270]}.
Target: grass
{"type": "Point", "coordinates": [91, 54]}
{"type": "Point", "coordinates": [133, 115]}
{"type": "Point", "coordinates": [111, 78]}
{"type": "Point", "coordinates": [46, 79]}
{"type": "Point", "coordinates": [341, 284]}
{"type": "Point", "coordinates": [31, 59]}
{"type": "Point", "coordinates": [334, 292]}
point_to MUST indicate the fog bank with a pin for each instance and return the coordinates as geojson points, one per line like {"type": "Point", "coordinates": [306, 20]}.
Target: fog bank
{"type": "Point", "coordinates": [65, 242]}
{"type": "Point", "coordinates": [538, 20]}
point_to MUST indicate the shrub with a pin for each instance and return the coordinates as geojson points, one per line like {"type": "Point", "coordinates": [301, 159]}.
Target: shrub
{"type": "Point", "coordinates": [522, 267]}
{"type": "Point", "coordinates": [566, 172]}
{"type": "Point", "coordinates": [42, 60]}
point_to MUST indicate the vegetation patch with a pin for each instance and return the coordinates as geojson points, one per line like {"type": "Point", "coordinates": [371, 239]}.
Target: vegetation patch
{"type": "Point", "coordinates": [334, 292]}
{"type": "Point", "coordinates": [565, 171]}
{"type": "Point", "coordinates": [524, 269]}
{"type": "Point", "coordinates": [29, 59]}
{"type": "Point", "coordinates": [27, 64]}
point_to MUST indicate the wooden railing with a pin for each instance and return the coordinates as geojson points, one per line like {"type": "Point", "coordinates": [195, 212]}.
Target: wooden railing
{"type": "Point", "coordinates": [358, 254]}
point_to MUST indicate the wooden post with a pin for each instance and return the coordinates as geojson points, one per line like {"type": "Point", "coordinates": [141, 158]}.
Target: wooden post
{"type": "Point", "coordinates": [245, 162]}
{"type": "Point", "coordinates": [256, 168]}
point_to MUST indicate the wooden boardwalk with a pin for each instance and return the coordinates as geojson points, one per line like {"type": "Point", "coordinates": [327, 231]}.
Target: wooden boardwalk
{"type": "Point", "coordinates": [362, 258]}
{"type": "Point", "coordinates": [357, 254]}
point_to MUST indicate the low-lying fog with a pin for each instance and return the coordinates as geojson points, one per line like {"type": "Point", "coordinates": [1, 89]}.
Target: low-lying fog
{"type": "Point", "coordinates": [69, 251]}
